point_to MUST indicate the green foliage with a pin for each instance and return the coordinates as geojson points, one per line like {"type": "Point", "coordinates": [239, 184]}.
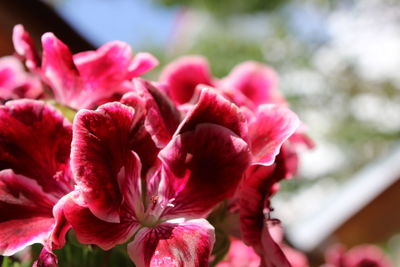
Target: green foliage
{"type": "Point", "coordinates": [228, 7]}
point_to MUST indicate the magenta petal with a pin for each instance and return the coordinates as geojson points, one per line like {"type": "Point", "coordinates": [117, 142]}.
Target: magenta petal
{"type": "Point", "coordinates": [25, 47]}
{"type": "Point", "coordinates": [256, 81]}
{"type": "Point", "coordinates": [25, 213]}
{"type": "Point", "coordinates": [142, 63]}
{"type": "Point", "coordinates": [206, 166]}
{"type": "Point", "coordinates": [183, 75]}
{"type": "Point", "coordinates": [91, 230]}
{"type": "Point", "coordinates": [173, 243]}
{"type": "Point", "coordinates": [213, 108]}
{"type": "Point", "coordinates": [101, 150]}
{"type": "Point", "coordinates": [271, 126]}
{"type": "Point", "coordinates": [35, 142]}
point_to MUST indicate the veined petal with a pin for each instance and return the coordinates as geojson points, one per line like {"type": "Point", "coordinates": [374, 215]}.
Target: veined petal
{"type": "Point", "coordinates": [271, 126]}
{"type": "Point", "coordinates": [25, 47]}
{"type": "Point", "coordinates": [173, 244]}
{"type": "Point", "coordinates": [213, 108]}
{"type": "Point", "coordinates": [183, 75]}
{"type": "Point", "coordinates": [142, 63]}
{"type": "Point", "coordinates": [91, 230]}
{"type": "Point", "coordinates": [256, 81]}
{"type": "Point", "coordinates": [25, 213]}
{"type": "Point", "coordinates": [35, 142]}
{"type": "Point", "coordinates": [205, 166]}
{"type": "Point", "coordinates": [101, 151]}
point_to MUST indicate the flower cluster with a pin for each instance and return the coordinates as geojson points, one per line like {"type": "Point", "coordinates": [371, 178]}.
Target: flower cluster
{"type": "Point", "coordinates": [161, 166]}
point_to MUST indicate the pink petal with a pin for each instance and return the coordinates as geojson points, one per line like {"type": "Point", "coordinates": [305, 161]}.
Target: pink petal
{"type": "Point", "coordinates": [256, 81]}
{"type": "Point", "coordinates": [173, 244]}
{"type": "Point", "coordinates": [213, 108]}
{"type": "Point", "coordinates": [162, 117]}
{"type": "Point", "coordinates": [183, 75]}
{"type": "Point", "coordinates": [25, 213]}
{"type": "Point", "coordinates": [35, 142]}
{"type": "Point", "coordinates": [25, 47]}
{"type": "Point", "coordinates": [101, 149]}
{"type": "Point", "coordinates": [142, 63]}
{"type": "Point", "coordinates": [206, 166]}
{"type": "Point", "coordinates": [104, 70]}
{"type": "Point", "coordinates": [271, 126]}
{"type": "Point", "coordinates": [60, 73]}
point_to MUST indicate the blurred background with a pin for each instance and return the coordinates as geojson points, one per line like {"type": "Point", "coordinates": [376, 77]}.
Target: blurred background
{"type": "Point", "coordinates": [339, 67]}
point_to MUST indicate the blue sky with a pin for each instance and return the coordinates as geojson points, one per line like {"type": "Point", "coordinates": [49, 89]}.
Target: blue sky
{"type": "Point", "coordinates": [138, 22]}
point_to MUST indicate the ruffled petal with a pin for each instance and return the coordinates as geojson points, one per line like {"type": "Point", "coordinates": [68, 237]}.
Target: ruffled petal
{"type": "Point", "coordinates": [256, 81]}
{"type": "Point", "coordinates": [183, 75]}
{"type": "Point", "coordinates": [142, 63]}
{"type": "Point", "coordinates": [173, 243]}
{"type": "Point", "coordinates": [213, 108]}
{"type": "Point", "coordinates": [91, 230]}
{"type": "Point", "coordinates": [35, 142]}
{"type": "Point", "coordinates": [24, 46]}
{"type": "Point", "coordinates": [25, 213]}
{"type": "Point", "coordinates": [204, 167]}
{"type": "Point", "coordinates": [102, 152]}
{"type": "Point", "coordinates": [162, 117]}
{"type": "Point", "coordinates": [271, 126]}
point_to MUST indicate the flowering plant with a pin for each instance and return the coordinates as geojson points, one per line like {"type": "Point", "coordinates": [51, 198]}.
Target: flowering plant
{"type": "Point", "coordinates": [175, 169]}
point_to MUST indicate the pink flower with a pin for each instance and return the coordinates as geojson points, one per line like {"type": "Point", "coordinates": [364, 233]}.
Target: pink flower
{"type": "Point", "coordinates": [129, 185]}
{"type": "Point", "coordinates": [240, 255]}
{"type": "Point", "coordinates": [85, 79]}
{"type": "Point", "coordinates": [34, 174]}
{"type": "Point", "coordinates": [250, 84]}
{"type": "Point", "coordinates": [15, 82]}
{"type": "Point", "coordinates": [360, 256]}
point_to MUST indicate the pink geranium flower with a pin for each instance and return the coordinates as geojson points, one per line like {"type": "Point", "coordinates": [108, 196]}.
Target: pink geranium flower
{"type": "Point", "coordinates": [34, 174]}
{"type": "Point", "coordinates": [15, 82]}
{"type": "Point", "coordinates": [130, 190]}
{"type": "Point", "coordinates": [85, 79]}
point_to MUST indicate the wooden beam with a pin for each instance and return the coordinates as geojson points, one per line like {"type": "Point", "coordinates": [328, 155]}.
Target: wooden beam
{"type": "Point", "coordinates": [37, 18]}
